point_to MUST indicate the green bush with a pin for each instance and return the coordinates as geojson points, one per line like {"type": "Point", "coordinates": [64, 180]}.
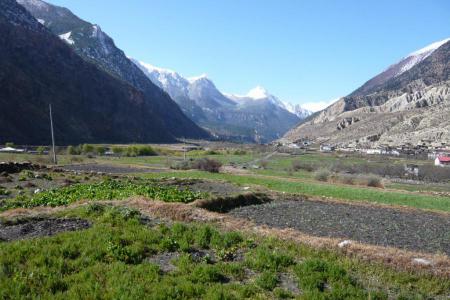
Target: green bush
{"type": "Point", "coordinates": [100, 150]}
{"type": "Point", "coordinates": [133, 151]}
{"type": "Point", "coordinates": [212, 152]}
{"type": "Point", "coordinates": [118, 150]}
{"type": "Point", "coordinates": [9, 144]}
{"type": "Point", "coordinates": [41, 149]}
{"type": "Point", "coordinates": [87, 149]}
{"type": "Point", "coordinates": [73, 150]}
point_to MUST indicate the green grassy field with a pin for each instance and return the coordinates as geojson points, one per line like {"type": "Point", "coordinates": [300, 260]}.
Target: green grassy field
{"type": "Point", "coordinates": [308, 188]}
{"type": "Point", "coordinates": [279, 177]}
{"type": "Point", "coordinates": [114, 259]}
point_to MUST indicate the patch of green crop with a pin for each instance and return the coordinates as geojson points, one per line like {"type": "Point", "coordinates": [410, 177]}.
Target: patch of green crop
{"type": "Point", "coordinates": [108, 189]}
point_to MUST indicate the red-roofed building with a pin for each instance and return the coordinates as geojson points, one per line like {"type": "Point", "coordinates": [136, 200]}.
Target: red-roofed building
{"type": "Point", "coordinates": [442, 161]}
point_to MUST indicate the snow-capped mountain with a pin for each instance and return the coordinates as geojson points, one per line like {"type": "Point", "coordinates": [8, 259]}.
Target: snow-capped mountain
{"type": "Point", "coordinates": [261, 94]}
{"type": "Point", "coordinates": [257, 116]}
{"type": "Point", "coordinates": [397, 69]}
{"type": "Point", "coordinates": [298, 110]}
{"type": "Point", "coordinates": [418, 56]}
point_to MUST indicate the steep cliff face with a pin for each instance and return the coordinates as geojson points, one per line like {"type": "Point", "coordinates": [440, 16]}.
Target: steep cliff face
{"type": "Point", "coordinates": [95, 46]}
{"type": "Point", "coordinates": [408, 103]}
{"type": "Point", "coordinates": [89, 105]}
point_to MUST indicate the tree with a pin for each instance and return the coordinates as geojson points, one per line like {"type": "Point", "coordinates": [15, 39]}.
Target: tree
{"type": "Point", "coordinates": [87, 149]}
{"type": "Point", "coordinates": [40, 150]}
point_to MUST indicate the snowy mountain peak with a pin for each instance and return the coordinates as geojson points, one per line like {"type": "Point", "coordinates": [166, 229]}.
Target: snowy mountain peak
{"type": "Point", "coordinates": [418, 56]}
{"type": "Point", "coordinates": [202, 77]}
{"type": "Point", "coordinates": [36, 3]}
{"type": "Point", "coordinates": [151, 68]}
{"type": "Point", "coordinates": [258, 93]}
{"type": "Point", "coordinates": [430, 48]}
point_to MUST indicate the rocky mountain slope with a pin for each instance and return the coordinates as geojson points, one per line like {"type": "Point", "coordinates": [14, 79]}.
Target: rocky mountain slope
{"type": "Point", "coordinates": [95, 46]}
{"type": "Point", "coordinates": [89, 105]}
{"type": "Point", "coordinates": [408, 104]}
{"type": "Point", "coordinates": [258, 116]}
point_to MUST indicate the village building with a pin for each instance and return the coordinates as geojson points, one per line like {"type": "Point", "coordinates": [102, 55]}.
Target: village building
{"type": "Point", "coordinates": [442, 161]}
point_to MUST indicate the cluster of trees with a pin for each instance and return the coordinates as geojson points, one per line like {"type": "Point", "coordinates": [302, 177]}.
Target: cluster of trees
{"type": "Point", "coordinates": [135, 150]}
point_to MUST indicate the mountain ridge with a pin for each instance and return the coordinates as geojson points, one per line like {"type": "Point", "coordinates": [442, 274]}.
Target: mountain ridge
{"type": "Point", "coordinates": [95, 46]}
{"type": "Point", "coordinates": [409, 107]}
{"type": "Point", "coordinates": [89, 105]}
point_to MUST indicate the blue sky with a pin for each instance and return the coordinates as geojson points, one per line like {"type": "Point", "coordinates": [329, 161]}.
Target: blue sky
{"type": "Point", "coordinates": [301, 51]}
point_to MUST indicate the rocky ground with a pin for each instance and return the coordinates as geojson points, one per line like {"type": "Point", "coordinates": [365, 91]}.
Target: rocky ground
{"type": "Point", "coordinates": [39, 227]}
{"type": "Point", "coordinates": [108, 169]}
{"type": "Point", "coordinates": [405, 229]}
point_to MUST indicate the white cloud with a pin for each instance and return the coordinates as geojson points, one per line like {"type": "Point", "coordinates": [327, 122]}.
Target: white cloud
{"type": "Point", "coordinates": [316, 106]}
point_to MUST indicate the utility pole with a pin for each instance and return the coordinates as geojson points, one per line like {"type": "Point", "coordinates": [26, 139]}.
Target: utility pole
{"type": "Point", "coordinates": [53, 136]}
{"type": "Point", "coordinates": [184, 146]}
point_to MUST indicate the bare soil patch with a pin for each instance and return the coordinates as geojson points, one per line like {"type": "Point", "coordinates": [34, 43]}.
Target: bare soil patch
{"type": "Point", "coordinates": [39, 227]}
{"type": "Point", "coordinates": [109, 169]}
{"type": "Point", "coordinates": [420, 231]}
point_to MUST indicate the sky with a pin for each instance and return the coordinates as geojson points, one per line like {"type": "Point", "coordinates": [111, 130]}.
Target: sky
{"type": "Point", "coordinates": [306, 52]}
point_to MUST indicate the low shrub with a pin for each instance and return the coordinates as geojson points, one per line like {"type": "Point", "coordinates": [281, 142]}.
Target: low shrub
{"type": "Point", "coordinates": [263, 164]}
{"type": "Point", "coordinates": [73, 150]}
{"type": "Point", "coordinates": [239, 152]}
{"type": "Point", "coordinates": [375, 181]}
{"type": "Point", "coordinates": [41, 149]}
{"type": "Point", "coordinates": [207, 164]}
{"type": "Point", "coordinates": [347, 179]}
{"type": "Point", "coordinates": [212, 152]}
{"type": "Point", "coordinates": [299, 165]}
{"type": "Point", "coordinates": [181, 165]}
{"type": "Point", "coordinates": [322, 175]}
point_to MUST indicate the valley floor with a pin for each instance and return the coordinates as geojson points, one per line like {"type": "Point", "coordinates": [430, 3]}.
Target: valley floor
{"type": "Point", "coordinates": [266, 226]}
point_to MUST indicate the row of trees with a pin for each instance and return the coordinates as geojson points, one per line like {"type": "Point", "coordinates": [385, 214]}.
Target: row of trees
{"type": "Point", "coordinates": [135, 150]}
